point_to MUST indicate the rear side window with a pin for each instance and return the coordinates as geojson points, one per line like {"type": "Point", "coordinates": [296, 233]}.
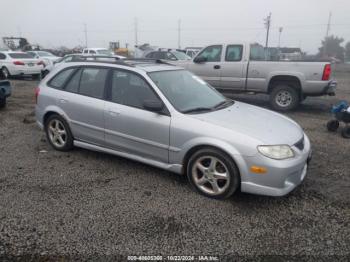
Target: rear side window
{"type": "Point", "coordinates": [93, 81]}
{"type": "Point", "coordinates": [73, 84]}
{"type": "Point", "coordinates": [2, 56]}
{"type": "Point", "coordinates": [234, 53]}
{"type": "Point", "coordinates": [20, 55]}
{"type": "Point", "coordinates": [60, 79]}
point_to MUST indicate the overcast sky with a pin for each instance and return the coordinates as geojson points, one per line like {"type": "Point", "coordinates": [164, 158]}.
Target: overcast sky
{"type": "Point", "coordinates": [53, 23]}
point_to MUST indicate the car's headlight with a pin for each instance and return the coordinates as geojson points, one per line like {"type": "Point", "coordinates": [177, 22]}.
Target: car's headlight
{"type": "Point", "coordinates": [277, 151]}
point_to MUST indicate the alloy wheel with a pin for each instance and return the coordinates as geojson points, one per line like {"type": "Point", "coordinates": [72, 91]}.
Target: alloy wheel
{"type": "Point", "coordinates": [57, 133]}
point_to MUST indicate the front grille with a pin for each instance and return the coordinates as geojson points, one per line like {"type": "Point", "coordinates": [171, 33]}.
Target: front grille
{"type": "Point", "coordinates": [300, 144]}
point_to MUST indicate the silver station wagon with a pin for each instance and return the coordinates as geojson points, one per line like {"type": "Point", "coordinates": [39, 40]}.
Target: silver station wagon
{"type": "Point", "coordinates": [165, 116]}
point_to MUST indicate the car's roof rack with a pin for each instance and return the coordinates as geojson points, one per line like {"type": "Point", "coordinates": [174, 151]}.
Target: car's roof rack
{"type": "Point", "coordinates": [116, 60]}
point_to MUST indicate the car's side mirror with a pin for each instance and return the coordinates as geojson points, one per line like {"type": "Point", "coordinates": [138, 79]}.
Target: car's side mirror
{"type": "Point", "coordinates": [200, 59]}
{"type": "Point", "coordinates": [153, 105]}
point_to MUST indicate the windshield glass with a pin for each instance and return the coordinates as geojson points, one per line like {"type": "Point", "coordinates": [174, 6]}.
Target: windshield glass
{"type": "Point", "coordinates": [20, 55]}
{"type": "Point", "coordinates": [104, 52]}
{"type": "Point", "coordinates": [180, 55]}
{"type": "Point", "coordinates": [186, 91]}
{"type": "Point", "coordinates": [43, 53]}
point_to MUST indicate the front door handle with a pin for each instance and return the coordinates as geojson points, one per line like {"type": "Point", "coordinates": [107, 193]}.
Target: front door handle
{"type": "Point", "coordinates": [217, 66]}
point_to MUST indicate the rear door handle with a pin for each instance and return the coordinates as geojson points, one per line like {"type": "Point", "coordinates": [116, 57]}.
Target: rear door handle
{"type": "Point", "coordinates": [114, 112]}
{"type": "Point", "coordinates": [63, 101]}
{"type": "Point", "coordinates": [217, 66]}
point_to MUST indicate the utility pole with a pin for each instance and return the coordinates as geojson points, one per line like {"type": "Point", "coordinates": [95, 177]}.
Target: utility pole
{"type": "Point", "coordinates": [267, 23]}
{"type": "Point", "coordinates": [85, 31]}
{"type": "Point", "coordinates": [179, 34]}
{"type": "Point", "coordinates": [327, 33]}
{"type": "Point", "coordinates": [136, 31]}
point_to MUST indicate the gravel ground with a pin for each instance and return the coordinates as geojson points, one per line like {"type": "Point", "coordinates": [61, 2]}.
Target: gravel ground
{"type": "Point", "coordinates": [88, 205]}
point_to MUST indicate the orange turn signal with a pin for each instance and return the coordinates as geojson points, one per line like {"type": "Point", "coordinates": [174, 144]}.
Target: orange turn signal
{"type": "Point", "coordinates": [258, 169]}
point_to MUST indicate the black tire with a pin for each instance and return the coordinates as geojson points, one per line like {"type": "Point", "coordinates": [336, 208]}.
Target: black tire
{"type": "Point", "coordinates": [44, 73]}
{"type": "Point", "coordinates": [229, 187]}
{"type": "Point", "coordinates": [346, 132]}
{"type": "Point", "coordinates": [68, 145]}
{"type": "Point", "coordinates": [284, 97]}
{"type": "Point", "coordinates": [36, 77]}
{"type": "Point", "coordinates": [2, 99]}
{"type": "Point", "coordinates": [332, 125]}
{"type": "Point", "coordinates": [5, 72]}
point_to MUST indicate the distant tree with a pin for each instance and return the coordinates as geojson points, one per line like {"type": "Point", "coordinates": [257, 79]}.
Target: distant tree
{"type": "Point", "coordinates": [331, 47]}
{"type": "Point", "coordinates": [347, 51]}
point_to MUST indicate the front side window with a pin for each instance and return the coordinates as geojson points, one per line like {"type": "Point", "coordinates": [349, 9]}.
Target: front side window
{"type": "Point", "coordinates": [186, 91]}
{"type": "Point", "coordinates": [234, 53]}
{"type": "Point", "coordinates": [211, 53]}
{"type": "Point", "coordinates": [92, 82]}
{"type": "Point", "coordinates": [60, 79]}
{"type": "Point", "coordinates": [130, 89]}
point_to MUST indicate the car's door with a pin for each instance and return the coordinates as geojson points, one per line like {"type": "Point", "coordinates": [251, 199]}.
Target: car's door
{"type": "Point", "coordinates": [129, 127]}
{"type": "Point", "coordinates": [209, 68]}
{"type": "Point", "coordinates": [233, 68]}
{"type": "Point", "coordinates": [83, 103]}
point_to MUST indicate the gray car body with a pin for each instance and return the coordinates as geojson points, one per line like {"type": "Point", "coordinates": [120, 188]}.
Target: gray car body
{"type": "Point", "coordinates": [256, 76]}
{"type": "Point", "coordinates": [165, 141]}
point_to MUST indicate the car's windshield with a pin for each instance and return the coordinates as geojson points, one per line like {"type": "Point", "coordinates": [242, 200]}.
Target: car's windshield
{"type": "Point", "coordinates": [180, 55]}
{"type": "Point", "coordinates": [43, 53]}
{"type": "Point", "coordinates": [187, 92]}
{"type": "Point", "coordinates": [104, 52]}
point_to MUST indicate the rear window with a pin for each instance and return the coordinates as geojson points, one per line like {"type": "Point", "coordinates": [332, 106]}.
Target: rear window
{"type": "Point", "coordinates": [20, 55]}
{"type": "Point", "coordinates": [92, 82]}
{"type": "Point", "coordinates": [60, 79]}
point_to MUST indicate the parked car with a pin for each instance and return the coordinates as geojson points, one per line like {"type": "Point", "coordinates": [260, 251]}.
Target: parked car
{"type": "Point", "coordinates": [167, 117]}
{"type": "Point", "coordinates": [101, 52]}
{"type": "Point", "coordinates": [13, 63]}
{"type": "Point", "coordinates": [5, 92]}
{"type": "Point", "coordinates": [48, 58]}
{"type": "Point", "coordinates": [192, 51]}
{"type": "Point", "coordinates": [66, 58]}
{"type": "Point", "coordinates": [241, 67]}
{"type": "Point", "coordinates": [172, 55]}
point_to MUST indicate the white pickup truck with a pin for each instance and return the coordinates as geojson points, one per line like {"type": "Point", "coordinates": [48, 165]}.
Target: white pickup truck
{"type": "Point", "coordinates": [242, 67]}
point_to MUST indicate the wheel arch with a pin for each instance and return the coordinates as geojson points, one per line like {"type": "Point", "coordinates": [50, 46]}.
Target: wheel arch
{"type": "Point", "coordinates": [288, 79]}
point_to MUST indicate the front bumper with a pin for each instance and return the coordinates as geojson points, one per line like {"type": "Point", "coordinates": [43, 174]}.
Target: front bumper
{"type": "Point", "coordinates": [282, 176]}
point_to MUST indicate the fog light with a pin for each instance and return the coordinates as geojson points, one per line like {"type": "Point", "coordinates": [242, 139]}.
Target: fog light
{"type": "Point", "coordinates": [258, 169]}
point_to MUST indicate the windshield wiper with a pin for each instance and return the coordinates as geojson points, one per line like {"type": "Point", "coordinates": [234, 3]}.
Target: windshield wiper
{"type": "Point", "coordinates": [224, 104]}
{"type": "Point", "coordinates": [197, 109]}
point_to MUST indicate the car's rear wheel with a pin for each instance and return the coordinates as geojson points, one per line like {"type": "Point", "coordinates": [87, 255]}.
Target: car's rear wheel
{"type": "Point", "coordinates": [58, 133]}
{"type": "Point", "coordinates": [284, 97]}
{"type": "Point", "coordinates": [2, 99]}
{"type": "Point", "coordinates": [5, 72]}
{"type": "Point", "coordinates": [213, 173]}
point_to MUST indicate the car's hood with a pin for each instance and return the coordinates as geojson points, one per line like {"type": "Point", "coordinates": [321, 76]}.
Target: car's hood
{"type": "Point", "coordinates": [264, 125]}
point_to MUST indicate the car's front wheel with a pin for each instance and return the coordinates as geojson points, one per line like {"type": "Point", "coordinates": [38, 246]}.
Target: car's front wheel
{"type": "Point", "coordinates": [213, 173]}
{"type": "Point", "coordinates": [58, 133]}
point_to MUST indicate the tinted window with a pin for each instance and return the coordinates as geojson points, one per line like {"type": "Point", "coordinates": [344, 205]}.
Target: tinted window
{"type": "Point", "coordinates": [234, 53]}
{"type": "Point", "coordinates": [59, 80]}
{"type": "Point", "coordinates": [212, 53]}
{"type": "Point", "coordinates": [73, 84]}
{"type": "Point", "coordinates": [257, 52]}
{"type": "Point", "coordinates": [130, 89]}
{"type": "Point", "coordinates": [2, 56]}
{"type": "Point", "coordinates": [85, 51]}
{"type": "Point", "coordinates": [149, 55]}
{"type": "Point", "coordinates": [92, 82]}
{"type": "Point", "coordinates": [170, 56]}
{"type": "Point", "coordinates": [20, 55]}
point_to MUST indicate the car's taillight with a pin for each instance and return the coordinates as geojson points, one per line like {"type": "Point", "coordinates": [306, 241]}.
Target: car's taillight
{"type": "Point", "coordinates": [37, 91]}
{"type": "Point", "coordinates": [326, 72]}
{"type": "Point", "coordinates": [18, 63]}
{"type": "Point", "coordinates": [41, 63]}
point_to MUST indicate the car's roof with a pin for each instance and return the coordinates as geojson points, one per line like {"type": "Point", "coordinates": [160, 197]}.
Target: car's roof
{"type": "Point", "coordinates": [143, 66]}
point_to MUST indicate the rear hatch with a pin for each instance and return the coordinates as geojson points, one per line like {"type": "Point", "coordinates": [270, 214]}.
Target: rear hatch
{"type": "Point", "coordinates": [23, 59]}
